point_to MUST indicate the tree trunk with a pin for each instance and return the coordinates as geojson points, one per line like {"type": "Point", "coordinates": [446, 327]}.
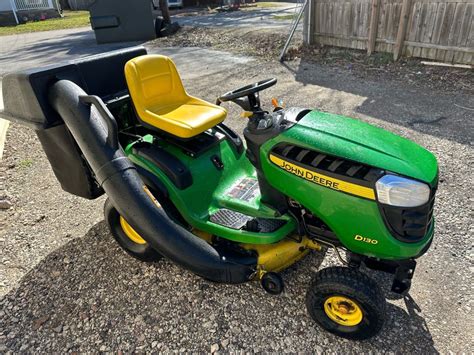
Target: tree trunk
{"type": "Point", "coordinates": [165, 12]}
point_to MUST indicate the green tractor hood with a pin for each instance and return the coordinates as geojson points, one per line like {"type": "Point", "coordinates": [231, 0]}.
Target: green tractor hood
{"type": "Point", "coordinates": [358, 141]}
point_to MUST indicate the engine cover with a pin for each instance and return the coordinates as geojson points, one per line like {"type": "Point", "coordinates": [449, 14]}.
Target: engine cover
{"type": "Point", "coordinates": [330, 163]}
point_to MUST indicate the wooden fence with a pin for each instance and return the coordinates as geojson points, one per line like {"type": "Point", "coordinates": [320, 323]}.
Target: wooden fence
{"type": "Point", "coordinates": [441, 30]}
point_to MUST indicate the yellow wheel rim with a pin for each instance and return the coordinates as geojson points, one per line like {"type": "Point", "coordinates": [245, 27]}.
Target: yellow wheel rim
{"type": "Point", "coordinates": [130, 232]}
{"type": "Point", "coordinates": [343, 311]}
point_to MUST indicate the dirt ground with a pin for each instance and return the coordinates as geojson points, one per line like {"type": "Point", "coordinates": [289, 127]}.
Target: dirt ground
{"type": "Point", "coordinates": [267, 44]}
{"type": "Point", "coordinates": [67, 287]}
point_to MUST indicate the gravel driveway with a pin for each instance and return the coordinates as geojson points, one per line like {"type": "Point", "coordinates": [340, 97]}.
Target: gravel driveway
{"type": "Point", "coordinates": [66, 286]}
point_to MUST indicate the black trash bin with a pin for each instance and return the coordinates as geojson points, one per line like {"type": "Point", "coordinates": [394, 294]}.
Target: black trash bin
{"type": "Point", "coordinates": [122, 21]}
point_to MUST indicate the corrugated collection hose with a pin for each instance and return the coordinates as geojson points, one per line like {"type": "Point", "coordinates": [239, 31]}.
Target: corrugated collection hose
{"type": "Point", "coordinates": [86, 118]}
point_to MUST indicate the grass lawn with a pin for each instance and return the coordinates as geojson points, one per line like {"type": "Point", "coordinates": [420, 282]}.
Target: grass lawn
{"type": "Point", "coordinates": [265, 4]}
{"type": "Point", "coordinates": [71, 19]}
{"type": "Point", "coordinates": [285, 17]}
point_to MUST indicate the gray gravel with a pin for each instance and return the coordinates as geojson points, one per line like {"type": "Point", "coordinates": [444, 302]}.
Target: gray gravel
{"type": "Point", "coordinates": [66, 286]}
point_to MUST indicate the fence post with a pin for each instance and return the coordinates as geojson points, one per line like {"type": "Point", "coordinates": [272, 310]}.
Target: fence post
{"type": "Point", "coordinates": [308, 23]}
{"type": "Point", "coordinates": [374, 24]}
{"type": "Point", "coordinates": [312, 21]}
{"type": "Point", "coordinates": [402, 29]}
{"type": "Point", "coordinates": [14, 9]}
{"type": "Point", "coordinates": [293, 29]}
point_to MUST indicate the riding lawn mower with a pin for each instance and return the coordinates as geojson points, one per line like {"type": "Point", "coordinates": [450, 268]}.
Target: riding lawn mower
{"type": "Point", "coordinates": [183, 185]}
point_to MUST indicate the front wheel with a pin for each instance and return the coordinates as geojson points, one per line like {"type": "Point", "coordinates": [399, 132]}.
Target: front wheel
{"type": "Point", "coordinates": [347, 303]}
{"type": "Point", "coordinates": [127, 237]}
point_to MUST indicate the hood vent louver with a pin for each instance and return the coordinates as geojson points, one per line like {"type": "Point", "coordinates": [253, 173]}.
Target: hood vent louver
{"type": "Point", "coordinates": [332, 165]}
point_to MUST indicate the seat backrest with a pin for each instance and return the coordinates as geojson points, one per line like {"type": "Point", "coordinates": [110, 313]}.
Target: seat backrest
{"type": "Point", "coordinates": [153, 81]}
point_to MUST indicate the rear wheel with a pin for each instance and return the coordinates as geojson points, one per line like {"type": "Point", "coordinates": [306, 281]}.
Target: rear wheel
{"type": "Point", "coordinates": [347, 303]}
{"type": "Point", "coordinates": [127, 237]}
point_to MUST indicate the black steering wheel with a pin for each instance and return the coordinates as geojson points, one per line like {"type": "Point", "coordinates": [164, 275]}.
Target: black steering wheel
{"type": "Point", "coordinates": [249, 90]}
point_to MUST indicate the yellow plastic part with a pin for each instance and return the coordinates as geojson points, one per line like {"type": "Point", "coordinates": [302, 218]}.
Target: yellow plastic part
{"type": "Point", "coordinates": [246, 114]}
{"type": "Point", "coordinates": [274, 257]}
{"type": "Point", "coordinates": [203, 235]}
{"type": "Point", "coordinates": [343, 311]}
{"type": "Point", "coordinates": [278, 256]}
{"type": "Point", "coordinates": [130, 232]}
{"type": "Point", "coordinates": [162, 102]}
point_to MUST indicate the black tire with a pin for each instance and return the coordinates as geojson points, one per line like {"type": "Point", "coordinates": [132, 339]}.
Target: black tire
{"type": "Point", "coordinates": [364, 295]}
{"type": "Point", "coordinates": [272, 283]}
{"type": "Point", "coordinates": [143, 252]}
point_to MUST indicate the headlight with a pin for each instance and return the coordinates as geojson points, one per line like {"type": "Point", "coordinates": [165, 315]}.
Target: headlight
{"type": "Point", "coordinates": [398, 191]}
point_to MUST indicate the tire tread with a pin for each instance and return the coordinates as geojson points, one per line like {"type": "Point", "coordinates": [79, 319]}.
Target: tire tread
{"type": "Point", "coordinates": [351, 281]}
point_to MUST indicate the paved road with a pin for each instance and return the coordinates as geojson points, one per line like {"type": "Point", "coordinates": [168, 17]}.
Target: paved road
{"type": "Point", "coordinates": [261, 17]}
{"type": "Point", "coordinates": [66, 286]}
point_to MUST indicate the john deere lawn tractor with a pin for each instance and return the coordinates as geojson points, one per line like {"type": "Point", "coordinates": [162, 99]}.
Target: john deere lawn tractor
{"type": "Point", "coordinates": [181, 184]}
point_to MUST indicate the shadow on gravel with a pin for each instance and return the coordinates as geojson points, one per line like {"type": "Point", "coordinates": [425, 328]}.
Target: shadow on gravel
{"type": "Point", "coordinates": [428, 111]}
{"type": "Point", "coordinates": [89, 296]}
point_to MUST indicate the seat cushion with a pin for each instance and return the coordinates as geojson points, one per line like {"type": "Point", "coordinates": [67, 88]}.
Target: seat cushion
{"type": "Point", "coordinates": [162, 102]}
{"type": "Point", "coordinates": [186, 119]}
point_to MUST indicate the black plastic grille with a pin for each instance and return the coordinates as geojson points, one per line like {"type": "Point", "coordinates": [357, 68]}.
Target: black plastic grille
{"type": "Point", "coordinates": [409, 224]}
{"type": "Point", "coordinates": [331, 165]}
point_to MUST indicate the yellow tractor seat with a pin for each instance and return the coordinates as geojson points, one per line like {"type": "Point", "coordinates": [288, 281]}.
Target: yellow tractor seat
{"type": "Point", "coordinates": [162, 102]}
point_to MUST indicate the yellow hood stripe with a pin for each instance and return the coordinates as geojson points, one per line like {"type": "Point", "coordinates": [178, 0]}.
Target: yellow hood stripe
{"type": "Point", "coordinates": [324, 180]}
